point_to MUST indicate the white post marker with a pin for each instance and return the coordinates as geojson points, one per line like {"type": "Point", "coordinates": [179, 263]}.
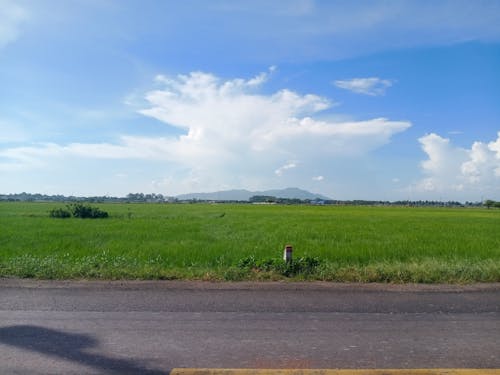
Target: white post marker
{"type": "Point", "coordinates": [287, 253]}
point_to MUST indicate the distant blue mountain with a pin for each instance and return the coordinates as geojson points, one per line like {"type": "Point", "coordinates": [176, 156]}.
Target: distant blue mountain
{"type": "Point", "coordinates": [244, 195]}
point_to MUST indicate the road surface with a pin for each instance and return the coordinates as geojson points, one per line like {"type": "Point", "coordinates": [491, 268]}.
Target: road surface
{"type": "Point", "coordinates": [152, 327]}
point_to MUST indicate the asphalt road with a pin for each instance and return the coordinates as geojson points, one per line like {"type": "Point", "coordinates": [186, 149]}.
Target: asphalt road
{"type": "Point", "coordinates": [152, 327]}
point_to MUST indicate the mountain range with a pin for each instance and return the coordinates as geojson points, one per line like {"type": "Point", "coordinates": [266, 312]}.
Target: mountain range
{"type": "Point", "coordinates": [244, 195]}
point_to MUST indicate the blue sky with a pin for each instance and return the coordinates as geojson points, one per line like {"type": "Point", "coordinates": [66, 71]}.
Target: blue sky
{"type": "Point", "coordinates": [355, 100]}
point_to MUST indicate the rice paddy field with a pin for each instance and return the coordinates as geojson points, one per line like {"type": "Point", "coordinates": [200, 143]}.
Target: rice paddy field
{"type": "Point", "coordinates": [219, 242]}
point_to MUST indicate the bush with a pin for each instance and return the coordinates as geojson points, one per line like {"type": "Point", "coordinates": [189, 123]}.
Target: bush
{"type": "Point", "coordinates": [86, 212]}
{"type": "Point", "coordinates": [59, 213]}
{"type": "Point", "coordinates": [79, 210]}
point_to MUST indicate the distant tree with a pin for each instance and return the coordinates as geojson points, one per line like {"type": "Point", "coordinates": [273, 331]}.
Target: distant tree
{"type": "Point", "coordinates": [489, 203]}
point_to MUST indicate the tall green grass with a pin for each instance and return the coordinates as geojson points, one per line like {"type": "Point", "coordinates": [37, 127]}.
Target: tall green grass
{"type": "Point", "coordinates": [203, 241]}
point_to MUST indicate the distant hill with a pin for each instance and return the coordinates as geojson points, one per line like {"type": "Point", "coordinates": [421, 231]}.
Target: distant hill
{"type": "Point", "coordinates": [244, 195]}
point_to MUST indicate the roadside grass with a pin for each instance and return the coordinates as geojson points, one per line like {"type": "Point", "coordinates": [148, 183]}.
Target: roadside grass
{"type": "Point", "coordinates": [245, 242]}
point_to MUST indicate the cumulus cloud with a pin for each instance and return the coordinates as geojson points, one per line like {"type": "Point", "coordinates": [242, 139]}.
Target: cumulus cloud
{"type": "Point", "coordinates": [318, 178]}
{"type": "Point", "coordinates": [372, 86]}
{"type": "Point", "coordinates": [11, 17]}
{"type": "Point", "coordinates": [233, 135]}
{"type": "Point", "coordinates": [231, 126]}
{"type": "Point", "coordinates": [474, 171]}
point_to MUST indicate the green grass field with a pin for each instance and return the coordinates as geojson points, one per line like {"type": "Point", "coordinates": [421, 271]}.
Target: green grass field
{"type": "Point", "coordinates": [244, 242]}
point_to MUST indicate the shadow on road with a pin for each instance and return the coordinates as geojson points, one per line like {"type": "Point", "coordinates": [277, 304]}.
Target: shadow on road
{"type": "Point", "coordinates": [71, 347]}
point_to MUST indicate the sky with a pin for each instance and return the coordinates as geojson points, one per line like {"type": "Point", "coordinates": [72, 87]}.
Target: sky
{"type": "Point", "coordinates": [379, 100]}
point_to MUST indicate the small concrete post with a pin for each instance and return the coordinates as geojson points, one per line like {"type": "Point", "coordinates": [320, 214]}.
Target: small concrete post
{"type": "Point", "coordinates": [287, 253]}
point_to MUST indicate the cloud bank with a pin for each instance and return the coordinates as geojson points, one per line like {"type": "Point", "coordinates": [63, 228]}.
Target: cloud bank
{"type": "Point", "coordinates": [457, 172]}
{"type": "Point", "coordinates": [233, 135]}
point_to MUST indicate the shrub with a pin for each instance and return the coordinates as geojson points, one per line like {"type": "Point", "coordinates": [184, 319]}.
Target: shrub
{"type": "Point", "coordinates": [301, 266]}
{"type": "Point", "coordinates": [78, 210]}
{"type": "Point", "coordinates": [86, 212]}
{"type": "Point", "coordinates": [59, 213]}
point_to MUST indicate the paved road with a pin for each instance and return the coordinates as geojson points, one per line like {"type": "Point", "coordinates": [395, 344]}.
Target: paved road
{"type": "Point", "coordinates": [152, 327]}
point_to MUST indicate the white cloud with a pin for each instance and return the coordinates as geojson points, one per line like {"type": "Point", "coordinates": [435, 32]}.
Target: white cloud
{"type": "Point", "coordinates": [40, 155]}
{"type": "Point", "coordinates": [234, 130]}
{"type": "Point", "coordinates": [372, 86]}
{"type": "Point", "coordinates": [318, 178]}
{"type": "Point", "coordinates": [458, 171]}
{"type": "Point", "coordinates": [283, 168]}
{"type": "Point", "coordinates": [234, 135]}
{"type": "Point", "coordinates": [11, 17]}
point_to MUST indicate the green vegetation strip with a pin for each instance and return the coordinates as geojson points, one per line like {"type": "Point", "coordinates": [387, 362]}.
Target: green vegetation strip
{"type": "Point", "coordinates": [245, 242]}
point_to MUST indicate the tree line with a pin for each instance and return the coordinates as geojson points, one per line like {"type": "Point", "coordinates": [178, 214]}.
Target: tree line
{"type": "Point", "coordinates": [490, 203]}
{"type": "Point", "coordinates": [159, 198]}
